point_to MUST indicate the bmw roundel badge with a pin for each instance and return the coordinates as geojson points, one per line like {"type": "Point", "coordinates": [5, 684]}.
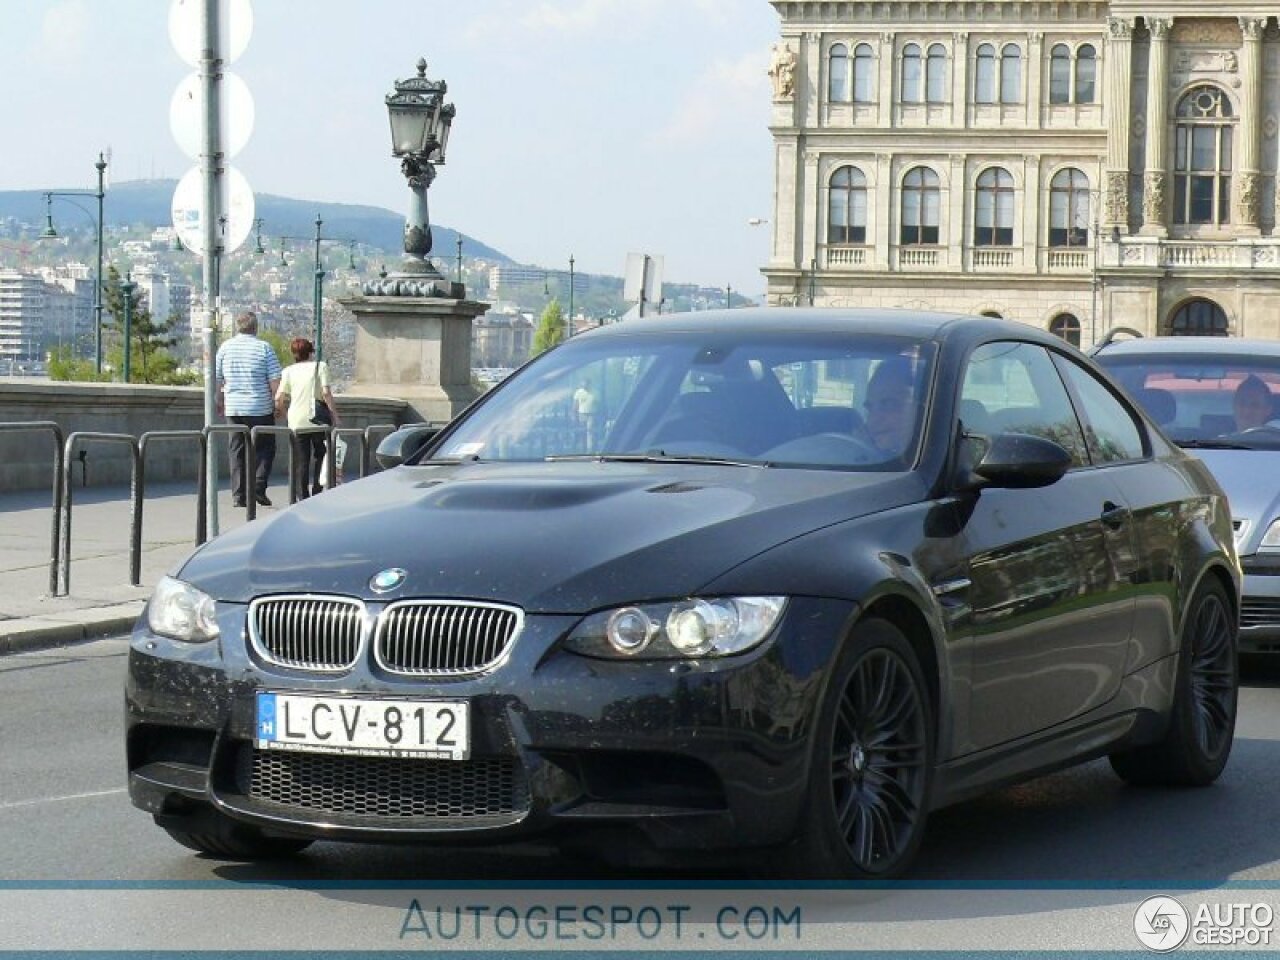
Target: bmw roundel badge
{"type": "Point", "coordinates": [387, 580]}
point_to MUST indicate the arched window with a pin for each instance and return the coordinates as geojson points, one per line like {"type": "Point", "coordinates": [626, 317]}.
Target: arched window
{"type": "Point", "coordinates": [1202, 161]}
{"type": "Point", "coordinates": [912, 88]}
{"type": "Point", "coordinates": [993, 212]}
{"type": "Point", "coordinates": [864, 68]}
{"type": "Point", "coordinates": [984, 81]}
{"type": "Point", "coordinates": [1060, 74]}
{"type": "Point", "coordinates": [1199, 318]}
{"type": "Point", "coordinates": [1069, 209]}
{"type": "Point", "coordinates": [1066, 326]}
{"type": "Point", "coordinates": [1086, 74]}
{"type": "Point", "coordinates": [921, 207]}
{"type": "Point", "coordinates": [838, 74]}
{"type": "Point", "coordinates": [847, 207]}
{"type": "Point", "coordinates": [1011, 74]}
{"type": "Point", "coordinates": [936, 74]}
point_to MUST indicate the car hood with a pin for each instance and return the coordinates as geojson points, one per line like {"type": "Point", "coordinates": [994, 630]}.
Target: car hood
{"type": "Point", "coordinates": [1251, 481]}
{"type": "Point", "coordinates": [549, 537]}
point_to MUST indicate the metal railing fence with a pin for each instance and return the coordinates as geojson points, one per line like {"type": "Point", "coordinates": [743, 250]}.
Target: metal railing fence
{"type": "Point", "coordinates": [63, 460]}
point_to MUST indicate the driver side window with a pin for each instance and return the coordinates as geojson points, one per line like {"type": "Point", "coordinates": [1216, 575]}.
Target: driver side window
{"type": "Point", "coordinates": [1011, 387]}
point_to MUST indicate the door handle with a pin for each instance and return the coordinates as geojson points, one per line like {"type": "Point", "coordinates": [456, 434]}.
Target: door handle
{"type": "Point", "coordinates": [1114, 515]}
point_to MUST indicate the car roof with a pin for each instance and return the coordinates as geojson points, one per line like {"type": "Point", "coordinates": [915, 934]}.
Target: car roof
{"type": "Point", "coordinates": [1175, 346]}
{"type": "Point", "coordinates": [918, 324]}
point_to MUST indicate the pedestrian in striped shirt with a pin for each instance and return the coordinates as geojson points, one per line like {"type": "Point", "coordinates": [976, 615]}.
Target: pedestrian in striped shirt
{"type": "Point", "coordinates": [248, 373]}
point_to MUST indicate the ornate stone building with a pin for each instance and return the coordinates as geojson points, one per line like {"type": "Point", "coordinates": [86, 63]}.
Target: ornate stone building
{"type": "Point", "coordinates": [1072, 164]}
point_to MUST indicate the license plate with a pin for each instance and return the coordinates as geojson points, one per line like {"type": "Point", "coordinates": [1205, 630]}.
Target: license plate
{"type": "Point", "coordinates": [440, 729]}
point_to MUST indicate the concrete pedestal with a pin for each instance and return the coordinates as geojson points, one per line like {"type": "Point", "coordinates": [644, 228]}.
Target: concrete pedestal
{"type": "Point", "coordinates": [415, 349]}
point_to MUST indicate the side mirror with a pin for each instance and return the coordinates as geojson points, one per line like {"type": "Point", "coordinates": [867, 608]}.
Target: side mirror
{"type": "Point", "coordinates": [398, 447]}
{"type": "Point", "coordinates": [1019, 461]}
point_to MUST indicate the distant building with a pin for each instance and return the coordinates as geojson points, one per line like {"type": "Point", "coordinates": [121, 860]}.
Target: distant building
{"type": "Point", "coordinates": [22, 297]}
{"type": "Point", "coordinates": [1071, 165]}
{"type": "Point", "coordinates": [505, 276]}
{"type": "Point", "coordinates": [501, 339]}
{"type": "Point", "coordinates": [68, 308]}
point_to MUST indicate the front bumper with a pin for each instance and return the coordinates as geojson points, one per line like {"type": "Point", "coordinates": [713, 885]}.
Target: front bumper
{"type": "Point", "coordinates": [1260, 604]}
{"type": "Point", "coordinates": [692, 754]}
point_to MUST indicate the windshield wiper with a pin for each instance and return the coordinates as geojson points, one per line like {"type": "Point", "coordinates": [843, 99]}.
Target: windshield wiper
{"type": "Point", "coordinates": [1214, 445]}
{"type": "Point", "coordinates": [655, 456]}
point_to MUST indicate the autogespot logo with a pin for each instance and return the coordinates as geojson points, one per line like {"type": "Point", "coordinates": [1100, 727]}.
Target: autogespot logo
{"type": "Point", "coordinates": [387, 580]}
{"type": "Point", "coordinates": [1161, 923]}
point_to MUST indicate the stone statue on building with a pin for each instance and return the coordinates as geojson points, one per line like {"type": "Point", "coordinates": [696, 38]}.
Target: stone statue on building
{"type": "Point", "coordinates": [782, 71]}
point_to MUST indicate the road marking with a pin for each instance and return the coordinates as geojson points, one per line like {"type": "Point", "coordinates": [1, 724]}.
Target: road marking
{"type": "Point", "coordinates": [69, 796]}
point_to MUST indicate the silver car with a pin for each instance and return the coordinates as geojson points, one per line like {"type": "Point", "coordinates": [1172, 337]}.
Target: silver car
{"type": "Point", "coordinates": [1220, 397]}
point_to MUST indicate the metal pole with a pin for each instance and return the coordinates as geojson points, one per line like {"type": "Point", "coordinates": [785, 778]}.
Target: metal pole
{"type": "Point", "coordinates": [569, 328]}
{"type": "Point", "coordinates": [101, 166]}
{"type": "Point", "coordinates": [319, 297]}
{"type": "Point", "coordinates": [459, 258]}
{"type": "Point", "coordinates": [211, 158]}
{"type": "Point", "coordinates": [126, 289]}
{"type": "Point", "coordinates": [728, 297]}
{"type": "Point", "coordinates": [1097, 252]}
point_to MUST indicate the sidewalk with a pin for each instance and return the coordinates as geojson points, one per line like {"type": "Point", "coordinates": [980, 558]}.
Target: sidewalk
{"type": "Point", "coordinates": [101, 601]}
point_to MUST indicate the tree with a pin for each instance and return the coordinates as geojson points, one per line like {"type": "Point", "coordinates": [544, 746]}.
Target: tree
{"type": "Point", "coordinates": [551, 328]}
{"type": "Point", "coordinates": [65, 365]}
{"type": "Point", "coordinates": [150, 359]}
{"type": "Point", "coordinates": [279, 343]}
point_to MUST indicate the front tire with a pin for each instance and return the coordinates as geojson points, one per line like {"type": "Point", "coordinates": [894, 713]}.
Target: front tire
{"type": "Point", "coordinates": [1202, 721]}
{"type": "Point", "coordinates": [872, 766]}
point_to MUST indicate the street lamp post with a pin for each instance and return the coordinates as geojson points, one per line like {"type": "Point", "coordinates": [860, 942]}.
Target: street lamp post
{"type": "Point", "coordinates": [317, 287]}
{"type": "Point", "coordinates": [126, 289]}
{"type": "Point", "coordinates": [420, 124]}
{"type": "Point", "coordinates": [570, 325]}
{"type": "Point", "coordinates": [50, 233]}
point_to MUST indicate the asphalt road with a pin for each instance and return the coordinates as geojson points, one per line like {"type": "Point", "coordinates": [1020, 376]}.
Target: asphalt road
{"type": "Point", "coordinates": [65, 815]}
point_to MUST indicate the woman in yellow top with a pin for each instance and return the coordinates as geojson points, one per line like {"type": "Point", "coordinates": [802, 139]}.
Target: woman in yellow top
{"type": "Point", "coordinates": [302, 383]}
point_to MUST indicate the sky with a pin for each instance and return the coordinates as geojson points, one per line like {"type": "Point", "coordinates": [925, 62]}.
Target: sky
{"type": "Point", "coordinates": [589, 128]}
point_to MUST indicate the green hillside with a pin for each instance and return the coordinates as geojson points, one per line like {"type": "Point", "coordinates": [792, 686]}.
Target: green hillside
{"type": "Point", "coordinates": [147, 202]}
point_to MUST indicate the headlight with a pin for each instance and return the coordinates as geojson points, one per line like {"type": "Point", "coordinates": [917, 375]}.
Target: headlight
{"type": "Point", "coordinates": [181, 611]}
{"type": "Point", "coordinates": [717, 627]}
{"type": "Point", "coordinates": [1271, 539]}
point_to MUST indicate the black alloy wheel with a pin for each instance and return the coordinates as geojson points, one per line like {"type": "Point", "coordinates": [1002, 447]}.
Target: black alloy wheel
{"type": "Point", "coordinates": [1202, 719]}
{"type": "Point", "coordinates": [872, 766]}
{"type": "Point", "coordinates": [1213, 675]}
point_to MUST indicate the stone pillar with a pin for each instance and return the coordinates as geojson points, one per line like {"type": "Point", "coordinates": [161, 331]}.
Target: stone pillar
{"type": "Point", "coordinates": [1119, 68]}
{"type": "Point", "coordinates": [1156, 178]}
{"type": "Point", "coordinates": [415, 349]}
{"type": "Point", "coordinates": [960, 99]}
{"type": "Point", "coordinates": [959, 222]}
{"type": "Point", "coordinates": [1034, 75]}
{"type": "Point", "coordinates": [886, 96]}
{"type": "Point", "coordinates": [1249, 184]}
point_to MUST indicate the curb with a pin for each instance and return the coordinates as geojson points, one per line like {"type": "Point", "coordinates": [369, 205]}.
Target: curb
{"type": "Point", "coordinates": [42, 633]}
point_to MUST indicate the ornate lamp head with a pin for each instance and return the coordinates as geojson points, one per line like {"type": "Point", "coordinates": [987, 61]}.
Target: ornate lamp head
{"type": "Point", "coordinates": [420, 119]}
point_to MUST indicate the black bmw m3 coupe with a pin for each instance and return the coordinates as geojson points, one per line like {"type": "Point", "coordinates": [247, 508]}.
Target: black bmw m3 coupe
{"type": "Point", "coordinates": [776, 579]}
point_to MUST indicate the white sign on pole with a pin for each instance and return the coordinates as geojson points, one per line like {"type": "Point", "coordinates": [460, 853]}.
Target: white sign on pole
{"type": "Point", "coordinates": [644, 273]}
{"type": "Point", "coordinates": [235, 108]}
{"type": "Point", "coordinates": [236, 203]}
{"type": "Point", "coordinates": [235, 26]}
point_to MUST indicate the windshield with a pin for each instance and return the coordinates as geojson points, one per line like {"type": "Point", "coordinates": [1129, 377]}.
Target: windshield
{"type": "Point", "coordinates": [783, 399]}
{"type": "Point", "coordinates": [1206, 399]}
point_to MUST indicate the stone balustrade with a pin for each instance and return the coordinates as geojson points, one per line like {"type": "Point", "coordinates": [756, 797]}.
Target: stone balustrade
{"type": "Point", "coordinates": [26, 460]}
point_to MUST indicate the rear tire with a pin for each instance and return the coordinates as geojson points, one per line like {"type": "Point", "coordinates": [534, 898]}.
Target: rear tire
{"type": "Point", "coordinates": [235, 841]}
{"type": "Point", "coordinates": [1202, 720]}
{"type": "Point", "coordinates": [872, 765]}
